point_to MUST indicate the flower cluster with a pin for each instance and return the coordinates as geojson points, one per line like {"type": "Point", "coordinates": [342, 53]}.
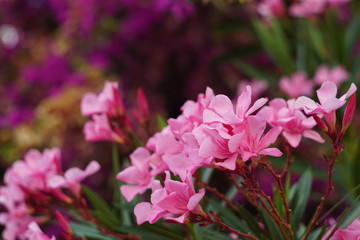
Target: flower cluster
{"type": "Point", "coordinates": [109, 119]}
{"type": "Point", "coordinates": [30, 186]}
{"type": "Point", "coordinates": [213, 133]}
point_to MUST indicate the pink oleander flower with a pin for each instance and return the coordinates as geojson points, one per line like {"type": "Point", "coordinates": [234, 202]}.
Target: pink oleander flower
{"type": "Point", "coordinates": [221, 109]}
{"type": "Point", "coordinates": [108, 101]}
{"type": "Point", "coordinates": [35, 170]}
{"type": "Point", "coordinates": [34, 233]}
{"type": "Point", "coordinates": [328, 102]}
{"type": "Point", "coordinates": [336, 75]}
{"type": "Point", "coordinates": [254, 143]}
{"type": "Point", "coordinates": [352, 232]}
{"type": "Point", "coordinates": [73, 176]}
{"type": "Point", "coordinates": [293, 122]}
{"type": "Point", "coordinates": [17, 215]}
{"type": "Point", "coordinates": [138, 174]}
{"type": "Point", "coordinates": [99, 129]}
{"type": "Point", "coordinates": [214, 144]}
{"type": "Point", "coordinates": [271, 8]}
{"type": "Point", "coordinates": [258, 87]}
{"type": "Point", "coordinates": [297, 85]}
{"type": "Point", "coordinates": [307, 8]}
{"type": "Point", "coordinates": [193, 111]}
{"type": "Point", "coordinates": [175, 198]}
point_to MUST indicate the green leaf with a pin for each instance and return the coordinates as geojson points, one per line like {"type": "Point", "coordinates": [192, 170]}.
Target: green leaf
{"type": "Point", "coordinates": [118, 198]}
{"type": "Point", "coordinates": [161, 122]}
{"type": "Point", "coordinates": [89, 231]}
{"type": "Point", "coordinates": [153, 231]}
{"type": "Point", "coordinates": [275, 43]}
{"type": "Point", "coordinates": [272, 226]}
{"type": "Point", "coordinates": [228, 216]}
{"type": "Point", "coordinates": [354, 213]}
{"type": "Point", "coordinates": [299, 198]}
{"type": "Point", "coordinates": [101, 206]}
{"type": "Point", "coordinates": [351, 35]}
{"type": "Point", "coordinates": [254, 72]}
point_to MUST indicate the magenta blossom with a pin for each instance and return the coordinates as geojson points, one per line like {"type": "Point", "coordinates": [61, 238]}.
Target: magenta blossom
{"type": "Point", "coordinates": [297, 85]}
{"type": "Point", "coordinates": [328, 101]}
{"type": "Point", "coordinates": [175, 198]}
{"type": "Point", "coordinates": [293, 122]}
{"type": "Point", "coordinates": [336, 75]}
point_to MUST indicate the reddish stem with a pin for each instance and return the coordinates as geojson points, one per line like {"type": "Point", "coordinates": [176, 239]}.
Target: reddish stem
{"type": "Point", "coordinates": [337, 149]}
{"type": "Point", "coordinates": [207, 219]}
{"type": "Point", "coordinates": [201, 183]}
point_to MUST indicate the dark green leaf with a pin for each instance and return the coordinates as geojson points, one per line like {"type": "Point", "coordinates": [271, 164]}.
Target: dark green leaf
{"type": "Point", "coordinates": [300, 198]}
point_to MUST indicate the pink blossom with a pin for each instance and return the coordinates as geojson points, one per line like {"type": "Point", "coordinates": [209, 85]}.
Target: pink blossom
{"type": "Point", "coordinates": [328, 101]}
{"type": "Point", "coordinates": [73, 176]}
{"type": "Point", "coordinates": [35, 171]}
{"type": "Point", "coordinates": [99, 129]}
{"type": "Point", "coordinates": [307, 8]}
{"type": "Point", "coordinates": [293, 122]}
{"type": "Point", "coordinates": [175, 198]}
{"type": "Point", "coordinates": [297, 85]}
{"type": "Point", "coordinates": [138, 174]}
{"type": "Point", "coordinates": [352, 232]}
{"type": "Point", "coordinates": [215, 144]}
{"type": "Point", "coordinates": [193, 110]}
{"type": "Point", "coordinates": [108, 101]}
{"type": "Point", "coordinates": [221, 109]}
{"type": "Point", "coordinates": [254, 143]}
{"type": "Point", "coordinates": [258, 87]}
{"type": "Point", "coordinates": [34, 233]}
{"type": "Point", "coordinates": [271, 8]}
{"type": "Point", "coordinates": [336, 75]}
{"type": "Point", "coordinates": [17, 215]}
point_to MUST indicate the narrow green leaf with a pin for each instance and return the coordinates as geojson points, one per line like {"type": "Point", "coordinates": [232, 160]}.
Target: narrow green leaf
{"type": "Point", "coordinates": [89, 231]}
{"type": "Point", "coordinates": [125, 216]}
{"type": "Point", "coordinates": [100, 204]}
{"type": "Point", "coordinates": [272, 227]}
{"type": "Point", "coordinates": [351, 216]}
{"type": "Point", "coordinates": [300, 198]}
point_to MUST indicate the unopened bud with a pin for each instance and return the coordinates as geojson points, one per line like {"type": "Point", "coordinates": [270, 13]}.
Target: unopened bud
{"type": "Point", "coordinates": [348, 114]}
{"type": "Point", "coordinates": [320, 123]}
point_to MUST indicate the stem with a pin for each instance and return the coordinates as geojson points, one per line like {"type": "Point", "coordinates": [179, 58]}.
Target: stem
{"type": "Point", "coordinates": [238, 187]}
{"type": "Point", "coordinates": [273, 211]}
{"type": "Point", "coordinates": [86, 215]}
{"type": "Point", "coordinates": [277, 177]}
{"type": "Point", "coordinates": [216, 192]}
{"type": "Point", "coordinates": [289, 160]}
{"type": "Point", "coordinates": [207, 219]}
{"type": "Point", "coordinates": [337, 149]}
